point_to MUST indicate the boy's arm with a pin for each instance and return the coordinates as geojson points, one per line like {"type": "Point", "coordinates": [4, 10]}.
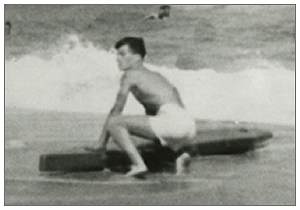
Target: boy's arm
{"type": "Point", "coordinates": [117, 108]}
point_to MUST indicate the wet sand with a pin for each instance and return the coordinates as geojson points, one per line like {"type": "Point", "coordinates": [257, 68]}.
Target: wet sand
{"type": "Point", "coordinates": [265, 176]}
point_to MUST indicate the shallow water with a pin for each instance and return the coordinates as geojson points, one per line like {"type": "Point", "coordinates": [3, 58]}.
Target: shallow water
{"type": "Point", "coordinates": [265, 176]}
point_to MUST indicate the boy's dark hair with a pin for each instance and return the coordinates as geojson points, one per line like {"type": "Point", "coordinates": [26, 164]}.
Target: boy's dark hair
{"type": "Point", "coordinates": [136, 44]}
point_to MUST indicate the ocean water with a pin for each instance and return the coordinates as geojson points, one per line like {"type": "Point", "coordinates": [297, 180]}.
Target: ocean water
{"type": "Point", "coordinates": [222, 38]}
{"type": "Point", "coordinates": [229, 63]}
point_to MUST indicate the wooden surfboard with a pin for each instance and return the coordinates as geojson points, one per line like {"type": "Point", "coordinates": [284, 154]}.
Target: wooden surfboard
{"type": "Point", "coordinates": [207, 142]}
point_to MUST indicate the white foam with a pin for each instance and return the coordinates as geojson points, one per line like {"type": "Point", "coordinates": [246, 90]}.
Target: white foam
{"type": "Point", "coordinates": [80, 77]}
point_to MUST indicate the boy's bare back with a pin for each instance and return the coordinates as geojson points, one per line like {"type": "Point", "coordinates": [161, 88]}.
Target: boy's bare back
{"type": "Point", "coordinates": [150, 89]}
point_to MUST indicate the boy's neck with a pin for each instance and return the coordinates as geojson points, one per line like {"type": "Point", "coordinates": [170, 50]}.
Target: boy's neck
{"type": "Point", "coordinates": [138, 67]}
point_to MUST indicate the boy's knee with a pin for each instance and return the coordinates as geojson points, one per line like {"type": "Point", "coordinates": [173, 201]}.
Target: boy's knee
{"type": "Point", "coordinates": [114, 123]}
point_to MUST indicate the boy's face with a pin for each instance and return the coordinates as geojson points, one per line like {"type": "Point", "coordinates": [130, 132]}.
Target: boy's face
{"type": "Point", "coordinates": [125, 58]}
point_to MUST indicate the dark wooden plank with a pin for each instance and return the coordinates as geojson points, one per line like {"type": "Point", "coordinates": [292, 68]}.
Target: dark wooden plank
{"type": "Point", "coordinates": [207, 142]}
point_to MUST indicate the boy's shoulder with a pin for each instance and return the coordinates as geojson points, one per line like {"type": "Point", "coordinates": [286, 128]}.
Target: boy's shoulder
{"type": "Point", "coordinates": [130, 77]}
{"type": "Point", "coordinates": [136, 74]}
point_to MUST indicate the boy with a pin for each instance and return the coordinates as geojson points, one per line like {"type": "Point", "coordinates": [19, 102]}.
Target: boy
{"type": "Point", "coordinates": [165, 119]}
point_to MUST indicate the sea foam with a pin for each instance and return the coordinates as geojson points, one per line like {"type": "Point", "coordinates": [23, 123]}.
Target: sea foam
{"type": "Point", "coordinates": [82, 78]}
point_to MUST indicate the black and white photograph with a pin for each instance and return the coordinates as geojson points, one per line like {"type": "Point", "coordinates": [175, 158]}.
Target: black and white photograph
{"type": "Point", "coordinates": [149, 104]}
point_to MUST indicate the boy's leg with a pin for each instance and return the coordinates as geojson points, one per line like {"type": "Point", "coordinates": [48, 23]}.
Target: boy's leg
{"type": "Point", "coordinates": [138, 125]}
{"type": "Point", "coordinates": [120, 127]}
{"type": "Point", "coordinates": [182, 163]}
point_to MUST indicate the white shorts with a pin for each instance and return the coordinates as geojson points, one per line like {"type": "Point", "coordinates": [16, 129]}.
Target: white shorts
{"type": "Point", "coordinates": [173, 122]}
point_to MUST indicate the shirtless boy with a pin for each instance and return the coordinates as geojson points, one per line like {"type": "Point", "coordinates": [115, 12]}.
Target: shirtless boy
{"type": "Point", "coordinates": [166, 118]}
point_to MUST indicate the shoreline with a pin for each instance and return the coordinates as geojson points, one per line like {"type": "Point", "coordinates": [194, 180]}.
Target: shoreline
{"type": "Point", "coordinates": [14, 110]}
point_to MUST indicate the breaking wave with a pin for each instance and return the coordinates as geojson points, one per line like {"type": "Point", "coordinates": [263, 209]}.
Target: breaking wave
{"type": "Point", "coordinates": [82, 78]}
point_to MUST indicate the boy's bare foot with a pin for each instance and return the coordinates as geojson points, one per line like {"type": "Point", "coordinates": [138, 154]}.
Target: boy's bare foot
{"type": "Point", "coordinates": [182, 163]}
{"type": "Point", "coordinates": [137, 170]}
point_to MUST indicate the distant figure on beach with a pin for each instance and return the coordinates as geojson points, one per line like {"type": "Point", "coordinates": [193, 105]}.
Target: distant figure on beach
{"type": "Point", "coordinates": [7, 28]}
{"type": "Point", "coordinates": [163, 12]}
{"type": "Point", "coordinates": [166, 122]}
